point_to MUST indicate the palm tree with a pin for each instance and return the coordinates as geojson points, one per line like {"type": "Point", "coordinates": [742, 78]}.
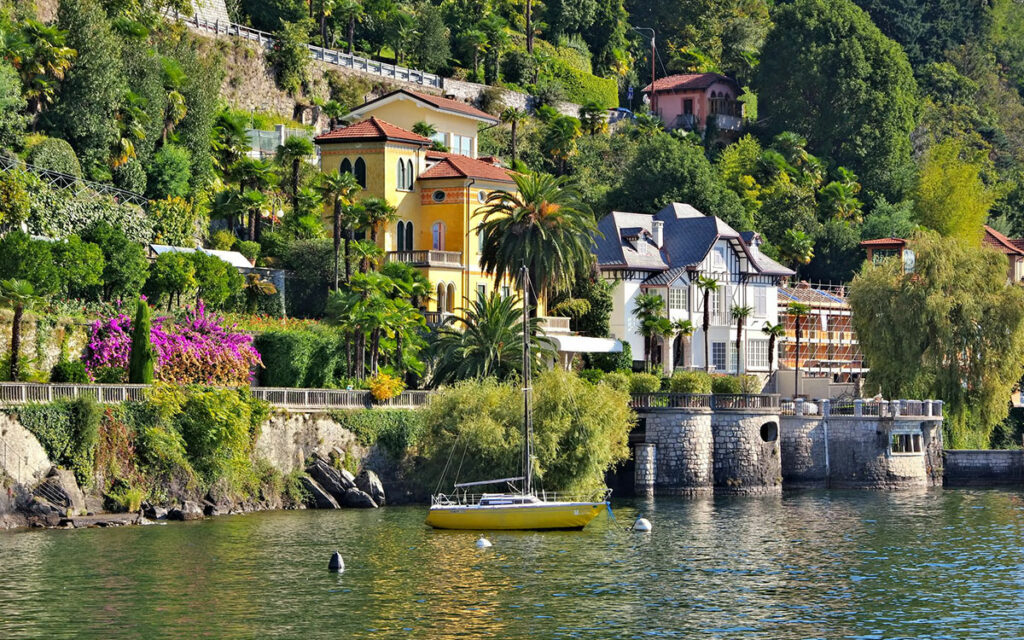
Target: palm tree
{"type": "Point", "coordinates": [683, 329]}
{"type": "Point", "coordinates": [424, 128]}
{"type": "Point", "coordinates": [592, 117]}
{"type": "Point", "coordinates": [486, 340]}
{"type": "Point", "coordinates": [559, 140]}
{"type": "Point", "coordinates": [339, 189]}
{"type": "Point", "coordinates": [291, 154]}
{"type": "Point", "coordinates": [514, 117]}
{"type": "Point", "coordinates": [544, 225]}
{"type": "Point", "coordinates": [131, 123]}
{"type": "Point", "coordinates": [256, 287]}
{"type": "Point", "coordinates": [774, 332]}
{"type": "Point", "coordinates": [253, 203]}
{"type": "Point", "coordinates": [367, 255]}
{"type": "Point", "coordinates": [230, 142]}
{"type": "Point", "coordinates": [256, 175]}
{"type": "Point", "coordinates": [740, 313]}
{"type": "Point", "coordinates": [796, 248]}
{"type": "Point", "coordinates": [707, 286]}
{"type": "Point", "coordinates": [378, 212]}
{"type": "Point", "coordinates": [648, 309]}
{"type": "Point", "coordinates": [647, 123]}
{"type": "Point", "coordinates": [39, 54]}
{"type": "Point", "coordinates": [797, 310]}
{"type": "Point", "coordinates": [18, 295]}
{"type": "Point", "coordinates": [409, 282]}
{"type": "Point", "coordinates": [476, 40]}
{"type": "Point", "coordinates": [352, 12]}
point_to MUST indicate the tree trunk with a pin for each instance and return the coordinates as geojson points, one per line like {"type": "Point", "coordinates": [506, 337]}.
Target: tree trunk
{"type": "Point", "coordinates": [351, 35]}
{"type": "Point", "coordinates": [399, 360]}
{"type": "Point", "coordinates": [739, 346]}
{"type": "Point", "coordinates": [349, 237]}
{"type": "Point", "coordinates": [529, 26]}
{"type": "Point", "coordinates": [19, 310]}
{"type": "Point", "coordinates": [771, 356]}
{"type": "Point", "coordinates": [295, 186]}
{"type": "Point", "coordinates": [476, 62]}
{"type": "Point", "coordinates": [337, 240]}
{"type": "Point", "coordinates": [254, 220]}
{"type": "Point", "coordinates": [514, 131]}
{"type": "Point", "coordinates": [374, 351]}
{"type": "Point", "coordinates": [706, 325]}
{"type": "Point", "coordinates": [323, 27]}
{"type": "Point", "coordinates": [796, 364]}
{"type": "Point", "coordinates": [360, 355]}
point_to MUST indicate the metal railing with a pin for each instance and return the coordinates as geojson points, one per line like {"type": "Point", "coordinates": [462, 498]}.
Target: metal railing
{"type": "Point", "coordinates": [330, 56]}
{"type": "Point", "coordinates": [22, 393]}
{"type": "Point", "coordinates": [289, 398]}
{"type": "Point", "coordinates": [426, 258]}
{"type": "Point", "coordinates": [11, 453]}
{"type": "Point", "coordinates": [554, 324]}
{"type": "Point", "coordinates": [871, 408]}
{"type": "Point", "coordinates": [744, 401]}
{"type": "Point", "coordinates": [663, 400]}
{"type": "Point", "coordinates": [68, 181]}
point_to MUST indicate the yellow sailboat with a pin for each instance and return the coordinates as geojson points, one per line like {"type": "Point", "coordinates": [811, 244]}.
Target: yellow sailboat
{"type": "Point", "coordinates": [523, 509]}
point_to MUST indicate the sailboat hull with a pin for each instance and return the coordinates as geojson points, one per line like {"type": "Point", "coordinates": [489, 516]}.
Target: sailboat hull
{"type": "Point", "coordinates": [551, 515]}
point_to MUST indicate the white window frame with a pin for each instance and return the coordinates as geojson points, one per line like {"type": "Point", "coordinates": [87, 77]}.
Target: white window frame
{"type": "Point", "coordinates": [757, 353]}
{"type": "Point", "coordinates": [678, 298]}
{"type": "Point", "coordinates": [761, 302]}
{"type": "Point", "coordinates": [718, 355]}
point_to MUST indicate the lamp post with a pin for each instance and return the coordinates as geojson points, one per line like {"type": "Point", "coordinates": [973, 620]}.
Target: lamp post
{"type": "Point", "coordinates": [653, 54]}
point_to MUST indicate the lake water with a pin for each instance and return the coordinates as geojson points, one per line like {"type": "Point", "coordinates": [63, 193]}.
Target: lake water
{"type": "Point", "coordinates": [935, 564]}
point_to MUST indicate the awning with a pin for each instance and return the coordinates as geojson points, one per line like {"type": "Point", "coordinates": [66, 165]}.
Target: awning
{"type": "Point", "coordinates": [583, 344]}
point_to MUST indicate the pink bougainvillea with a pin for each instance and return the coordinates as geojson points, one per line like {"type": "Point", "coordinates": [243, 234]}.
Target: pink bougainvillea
{"type": "Point", "coordinates": [198, 349]}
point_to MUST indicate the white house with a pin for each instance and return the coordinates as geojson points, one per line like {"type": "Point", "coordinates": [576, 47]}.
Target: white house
{"type": "Point", "coordinates": [666, 254]}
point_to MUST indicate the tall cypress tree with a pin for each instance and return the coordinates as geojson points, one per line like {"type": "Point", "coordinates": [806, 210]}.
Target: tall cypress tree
{"type": "Point", "coordinates": [140, 364]}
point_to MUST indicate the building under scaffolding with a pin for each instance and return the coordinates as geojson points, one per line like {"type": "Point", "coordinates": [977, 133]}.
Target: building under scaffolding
{"type": "Point", "coordinates": [830, 357]}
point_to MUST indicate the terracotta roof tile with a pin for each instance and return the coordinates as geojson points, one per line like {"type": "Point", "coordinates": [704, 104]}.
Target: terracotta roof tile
{"type": "Point", "coordinates": [372, 129]}
{"type": "Point", "coordinates": [452, 105]}
{"type": "Point", "coordinates": [451, 165]}
{"type": "Point", "coordinates": [683, 81]}
{"type": "Point", "coordinates": [884, 242]}
{"type": "Point", "coordinates": [995, 240]}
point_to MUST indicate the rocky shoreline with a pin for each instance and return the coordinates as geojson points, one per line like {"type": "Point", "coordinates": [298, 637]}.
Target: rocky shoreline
{"type": "Point", "coordinates": [57, 502]}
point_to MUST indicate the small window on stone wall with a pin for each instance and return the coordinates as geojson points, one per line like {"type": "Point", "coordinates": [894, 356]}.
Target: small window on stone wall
{"type": "Point", "coordinates": [905, 443]}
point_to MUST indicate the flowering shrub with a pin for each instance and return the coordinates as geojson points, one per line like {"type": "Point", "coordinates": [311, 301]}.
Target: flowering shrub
{"type": "Point", "coordinates": [197, 349]}
{"type": "Point", "coordinates": [385, 387]}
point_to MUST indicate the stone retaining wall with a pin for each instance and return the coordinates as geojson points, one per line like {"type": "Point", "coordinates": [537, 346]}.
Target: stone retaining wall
{"type": "Point", "coordinates": [684, 443]}
{"type": "Point", "coordinates": [746, 453]}
{"type": "Point", "coordinates": [967, 467]}
{"type": "Point", "coordinates": [646, 469]}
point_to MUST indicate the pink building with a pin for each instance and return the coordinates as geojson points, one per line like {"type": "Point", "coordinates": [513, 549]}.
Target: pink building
{"type": "Point", "coordinates": [689, 100]}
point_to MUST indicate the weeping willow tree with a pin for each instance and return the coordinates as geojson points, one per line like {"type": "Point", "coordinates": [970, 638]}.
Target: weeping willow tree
{"type": "Point", "coordinates": [580, 431]}
{"type": "Point", "coordinates": [952, 329]}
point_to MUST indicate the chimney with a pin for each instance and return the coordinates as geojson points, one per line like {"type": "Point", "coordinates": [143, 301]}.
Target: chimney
{"type": "Point", "coordinates": [658, 232]}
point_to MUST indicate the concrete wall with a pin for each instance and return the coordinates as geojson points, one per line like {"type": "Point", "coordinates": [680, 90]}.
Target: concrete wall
{"type": "Point", "coordinates": [965, 467]}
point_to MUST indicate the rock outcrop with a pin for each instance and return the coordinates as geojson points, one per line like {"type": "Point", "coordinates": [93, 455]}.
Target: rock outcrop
{"type": "Point", "coordinates": [61, 490]}
{"type": "Point", "coordinates": [316, 496]}
{"type": "Point", "coordinates": [369, 483]}
{"type": "Point", "coordinates": [356, 499]}
{"type": "Point", "coordinates": [187, 511]}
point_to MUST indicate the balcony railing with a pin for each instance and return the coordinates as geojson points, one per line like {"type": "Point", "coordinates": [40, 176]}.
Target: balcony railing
{"type": "Point", "coordinates": [427, 258]}
{"type": "Point", "coordinates": [670, 401]}
{"type": "Point", "coordinates": [728, 123]}
{"type": "Point", "coordinates": [554, 324]}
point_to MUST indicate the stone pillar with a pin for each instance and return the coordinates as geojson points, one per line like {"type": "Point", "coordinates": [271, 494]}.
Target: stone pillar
{"type": "Point", "coordinates": [747, 457]}
{"type": "Point", "coordinates": [646, 469]}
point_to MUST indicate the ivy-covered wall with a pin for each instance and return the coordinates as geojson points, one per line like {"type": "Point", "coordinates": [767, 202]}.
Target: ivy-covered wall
{"type": "Point", "coordinates": [43, 339]}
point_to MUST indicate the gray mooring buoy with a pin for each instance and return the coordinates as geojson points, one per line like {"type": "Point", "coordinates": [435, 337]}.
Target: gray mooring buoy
{"type": "Point", "coordinates": [337, 564]}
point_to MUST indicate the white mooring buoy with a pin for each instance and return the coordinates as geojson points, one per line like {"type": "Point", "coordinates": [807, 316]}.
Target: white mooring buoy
{"type": "Point", "coordinates": [483, 543]}
{"type": "Point", "coordinates": [642, 524]}
{"type": "Point", "coordinates": [337, 564]}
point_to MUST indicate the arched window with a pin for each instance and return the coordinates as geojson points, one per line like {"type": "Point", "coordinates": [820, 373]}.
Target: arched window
{"type": "Point", "coordinates": [437, 234]}
{"type": "Point", "coordinates": [409, 175]}
{"type": "Point", "coordinates": [450, 298]}
{"type": "Point", "coordinates": [401, 175]}
{"type": "Point", "coordinates": [401, 236]}
{"type": "Point", "coordinates": [360, 171]}
{"type": "Point", "coordinates": [346, 166]}
{"type": "Point", "coordinates": [441, 306]}
{"type": "Point", "coordinates": [408, 236]}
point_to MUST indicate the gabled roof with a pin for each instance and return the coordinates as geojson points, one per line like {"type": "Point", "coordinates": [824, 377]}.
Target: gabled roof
{"type": "Point", "coordinates": [372, 129]}
{"type": "Point", "coordinates": [685, 81]}
{"type": "Point", "coordinates": [995, 240]}
{"type": "Point", "coordinates": [688, 235]}
{"type": "Point", "coordinates": [434, 102]}
{"type": "Point", "coordinates": [884, 242]}
{"type": "Point", "coordinates": [234, 258]}
{"type": "Point", "coordinates": [453, 165]}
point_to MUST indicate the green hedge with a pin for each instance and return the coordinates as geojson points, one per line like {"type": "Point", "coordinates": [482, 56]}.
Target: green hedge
{"type": "Point", "coordinates": [55, 154]}
{"type": "Point", "coordinates": [726, 384]}
{"type": "Point", "coordinates": [581, 87]}
{"type": "Point", "coordinates": [310, 358]}
{"type": "Point", "coordinates": [691, 382]}
{"type": "Point", "coordinates": [644, 383]}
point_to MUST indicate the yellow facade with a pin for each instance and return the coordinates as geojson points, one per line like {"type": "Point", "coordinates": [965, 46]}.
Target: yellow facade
{"type": "Point", "coordinates": [405, 112]}
{"type": "Point", "coordinates": [443, 213]}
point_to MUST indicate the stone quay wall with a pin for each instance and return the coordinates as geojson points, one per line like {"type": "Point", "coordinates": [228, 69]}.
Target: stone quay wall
{"type": "Point", "coordinates": [646, 470]}
{"type": "Point", "coordinates": [971, 468]}
{"type": "Point", "coordinates": [746, 457]}
{"type": "Point", "coordinates": [684, 442]}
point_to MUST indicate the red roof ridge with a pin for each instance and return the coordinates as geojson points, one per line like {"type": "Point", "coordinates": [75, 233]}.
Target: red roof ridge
{"type": "Point", "coordinates": [688, 81]}
{"type": "Point", "coordinates": [1001, 240]}
{"type": "Point", "coordinates": [442, 102]}
{"type": "Point", "coordinates": [370, 129]}
{"type": "Point", "coordinates": [454, 165]}
{"type": "Point", "coordinates": [882, 241]}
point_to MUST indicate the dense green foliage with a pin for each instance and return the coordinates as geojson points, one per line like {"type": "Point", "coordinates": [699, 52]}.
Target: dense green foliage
{"type": "Point", "coordinates": [580, 431]}
{"type": "Point", "coordinates": [67, 430]}
{"type": "Point", "coordinates": [953, 330]}
{"type": "Point", "coordinates": [395, 431]}
{"type": "Point", "coordinates": [690, 382]}
{"type": "Point", "coordinates": [310, 358]}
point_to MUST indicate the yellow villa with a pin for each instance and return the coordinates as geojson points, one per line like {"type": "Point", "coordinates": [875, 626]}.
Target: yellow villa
{"type": "Point", "coordinates": [437, 195]}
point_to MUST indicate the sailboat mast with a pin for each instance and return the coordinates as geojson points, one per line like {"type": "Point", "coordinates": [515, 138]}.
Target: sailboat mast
{"type": "Point", "coordinates": [527, 414]}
